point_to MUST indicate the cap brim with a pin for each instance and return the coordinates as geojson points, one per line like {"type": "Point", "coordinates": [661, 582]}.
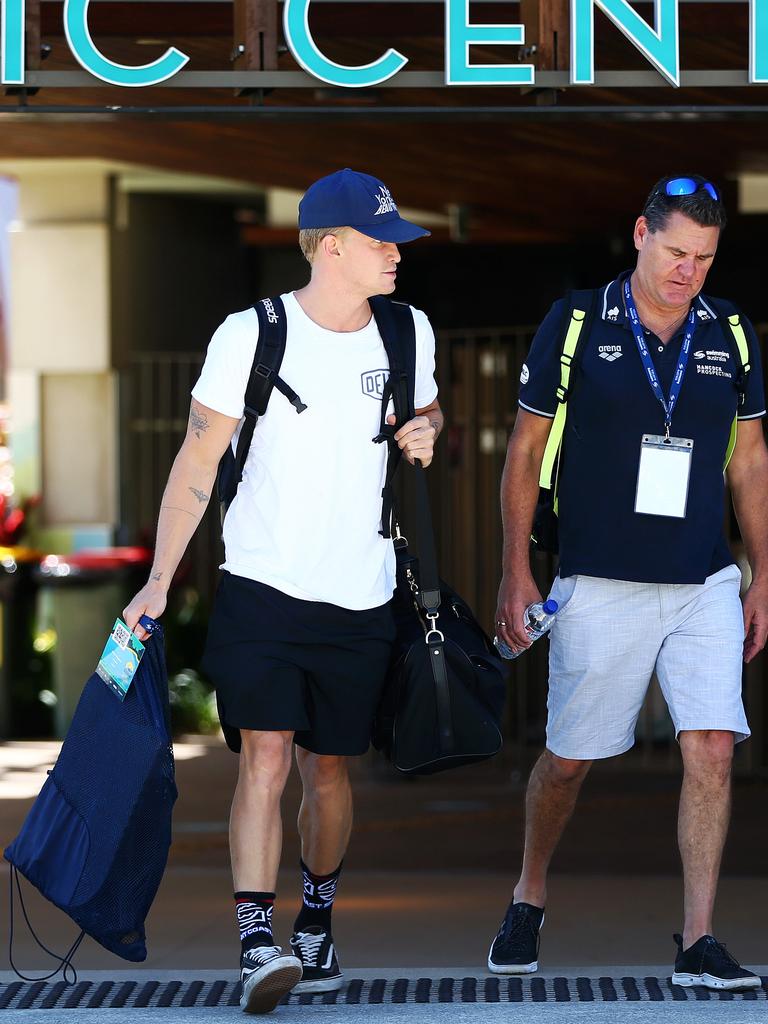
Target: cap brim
{"type": "Point", "coordinates": [397, 230]}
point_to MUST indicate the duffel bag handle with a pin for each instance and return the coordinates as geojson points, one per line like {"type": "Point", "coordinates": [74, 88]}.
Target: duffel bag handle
{"type": "Point", "coordinates": [429, 577]}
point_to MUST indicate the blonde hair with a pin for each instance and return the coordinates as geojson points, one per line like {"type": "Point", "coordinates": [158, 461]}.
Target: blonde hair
{"type": "Point", "coordinates": [310, 238]}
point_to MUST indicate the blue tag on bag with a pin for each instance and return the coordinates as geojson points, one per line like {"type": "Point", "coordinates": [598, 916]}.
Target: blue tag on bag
{"type": "Point", "coordinates": [120, 659]}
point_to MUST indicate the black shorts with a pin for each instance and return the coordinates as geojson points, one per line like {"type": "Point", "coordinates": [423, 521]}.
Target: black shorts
{"type": "Point", "coordinates": [281, 664]}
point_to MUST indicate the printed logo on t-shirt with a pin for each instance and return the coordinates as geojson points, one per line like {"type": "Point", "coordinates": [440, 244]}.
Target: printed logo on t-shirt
{"type": "Point", "coordinates": [525, 374]}
{"type": "Point", "coordinates": [610, 352]}
{"type": "Point", "coordinates": [714, 356]}
{"type": "Point", "coordinates": [713, 370]}
{"type": "Point", "coordinates": [702, 314]}
{"type": "Point", "coordinates": [373, 382]}
{"type": "Point", "coordinates": [613, 314]}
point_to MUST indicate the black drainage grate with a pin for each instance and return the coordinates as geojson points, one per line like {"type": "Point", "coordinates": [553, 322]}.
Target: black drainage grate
{"type": "Point", "coordinates": [156, 994]}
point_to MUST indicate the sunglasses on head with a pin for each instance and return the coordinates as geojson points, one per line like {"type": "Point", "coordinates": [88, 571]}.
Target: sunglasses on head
{"type": "Point", "coordinates": [688, 187]}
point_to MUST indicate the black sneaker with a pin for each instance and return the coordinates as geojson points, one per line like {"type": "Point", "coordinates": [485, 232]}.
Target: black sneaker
{"type": "Point", "coordinates": [515, 950]}
{"type": "Point", "coordinates": [707, 962]}
{"type": "Point", "coordinates": [266, 975]}
{"type": "Point", "coordinates": [315, 949]}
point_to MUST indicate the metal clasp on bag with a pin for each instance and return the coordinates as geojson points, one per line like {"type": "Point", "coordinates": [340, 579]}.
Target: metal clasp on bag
{"type": "Point", "coordinates": [400, 543]}
{"type": "Point", "coordinates": [434, 631]}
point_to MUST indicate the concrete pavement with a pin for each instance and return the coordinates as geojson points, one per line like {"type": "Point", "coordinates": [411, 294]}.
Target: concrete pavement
{"type": "Point", "coordinates": [562, 1013]}
{"type": "Point", "coordinates": [386, 997]}
{"type": "Point", "coordinates": [426, 881]}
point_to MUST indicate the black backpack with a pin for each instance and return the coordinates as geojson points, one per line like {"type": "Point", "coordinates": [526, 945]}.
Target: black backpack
{"type": "Point", "coordinates": [578, 314]}
{"type": "Point", "coordinates": [395, 323]}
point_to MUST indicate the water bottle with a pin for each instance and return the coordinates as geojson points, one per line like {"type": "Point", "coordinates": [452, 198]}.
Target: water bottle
{"type": "Point", "coordinates": [538, 620]}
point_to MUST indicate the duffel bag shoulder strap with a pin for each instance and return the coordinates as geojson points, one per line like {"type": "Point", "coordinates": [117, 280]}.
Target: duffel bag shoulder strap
{"type": "Point", "coordinates": [429, 600]}
{"type": "Point", "coordinates": [398, 333]}
{"type": "Point", "coordinates": [580, 307]}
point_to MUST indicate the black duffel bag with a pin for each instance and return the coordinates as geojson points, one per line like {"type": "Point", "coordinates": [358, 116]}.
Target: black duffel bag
{"type": "Point", "coordinates": [446, 688]}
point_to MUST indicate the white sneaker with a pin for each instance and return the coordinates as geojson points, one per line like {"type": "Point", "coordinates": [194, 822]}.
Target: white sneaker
{"type": "Point", "coordinates": [266, 975]}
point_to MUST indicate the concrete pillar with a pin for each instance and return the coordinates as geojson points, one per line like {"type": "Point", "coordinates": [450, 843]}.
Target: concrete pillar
{"type": "Point", "coordinates": [60, 383]}
{"type": "Point", "coordinates": [61, 391]}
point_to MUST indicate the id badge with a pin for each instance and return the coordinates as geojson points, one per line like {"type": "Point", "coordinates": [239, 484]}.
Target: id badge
{"type": "Point", "coordinates": [120, 659]}
{"type": "Point", "coordinates": [663, 475]}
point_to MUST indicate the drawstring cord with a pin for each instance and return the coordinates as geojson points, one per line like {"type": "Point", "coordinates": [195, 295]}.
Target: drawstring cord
{"type": "Point", "coordinates": [65, 962]}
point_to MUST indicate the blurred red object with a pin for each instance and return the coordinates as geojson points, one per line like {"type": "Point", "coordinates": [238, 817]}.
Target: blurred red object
{"type": "Point", "coordinates": [90, 559]}
{"type": "Point", "coordinates": [13, 519]}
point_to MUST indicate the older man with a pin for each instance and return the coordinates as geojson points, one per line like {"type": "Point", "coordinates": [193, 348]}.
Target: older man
{"type": "Point", "coordinates": [659, 382]}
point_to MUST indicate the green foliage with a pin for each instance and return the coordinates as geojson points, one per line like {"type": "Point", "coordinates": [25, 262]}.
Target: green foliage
{"type": "Point", "coordinates": [193, 704]}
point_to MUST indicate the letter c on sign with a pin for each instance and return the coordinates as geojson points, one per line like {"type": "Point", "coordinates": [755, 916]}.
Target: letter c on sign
{"type": "Point", "coordinates": [91, 58]}
{"type": "Point", "coordinates": [305, 51]}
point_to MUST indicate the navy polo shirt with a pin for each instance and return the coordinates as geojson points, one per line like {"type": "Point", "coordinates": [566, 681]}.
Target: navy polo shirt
{"type": "Point", "coordinates": [610, 407]}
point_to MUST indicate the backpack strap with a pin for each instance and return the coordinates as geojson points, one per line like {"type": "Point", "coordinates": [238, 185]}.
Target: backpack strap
{"type": "Point", "coordinates": [581, 308]}
{"type": "Point", "coordinates": [735, 332]}
{"type": "Point", "coordinates": [264, 376]}
{"type": "Point", "coordinates": [398, 332]}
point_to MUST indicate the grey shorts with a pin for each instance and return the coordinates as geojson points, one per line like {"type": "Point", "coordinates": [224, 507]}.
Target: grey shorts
{"type": "Point", "coordinates": [610, 636]}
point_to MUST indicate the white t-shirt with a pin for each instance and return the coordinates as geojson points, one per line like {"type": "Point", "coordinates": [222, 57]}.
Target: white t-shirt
{"type": "Point", "coordinates": [308, 510]}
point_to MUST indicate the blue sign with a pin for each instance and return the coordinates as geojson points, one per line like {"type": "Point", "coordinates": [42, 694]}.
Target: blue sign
{"type": "Point", "coordinates": [659, 43]}
{"type": "Point", "coordinates": [305, 50]}
{"type": "Point", "coordinates": [460, 35]}
{"type": "Point", "coordinates": [83, 49]}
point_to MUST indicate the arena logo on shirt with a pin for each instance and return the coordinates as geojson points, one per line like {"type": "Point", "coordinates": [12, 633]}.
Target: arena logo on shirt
{"type": "Point", "coordinates": [610, 352]}
{"type": "Point", "coordinates": [373, 382]}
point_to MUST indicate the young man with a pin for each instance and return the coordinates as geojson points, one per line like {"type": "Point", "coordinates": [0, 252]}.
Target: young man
{"type": "Point", "coordinates": [301, 631]}
{"type": "Point", "coordinates": [646, 582]}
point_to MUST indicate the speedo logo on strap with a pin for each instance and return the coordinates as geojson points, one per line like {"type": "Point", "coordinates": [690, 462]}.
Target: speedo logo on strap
{"type": "Point", "coordinates": [270, 311]}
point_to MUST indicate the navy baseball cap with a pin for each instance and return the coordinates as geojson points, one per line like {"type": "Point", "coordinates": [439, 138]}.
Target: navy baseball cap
{"type": "Point", "coordinates": [351, 199]}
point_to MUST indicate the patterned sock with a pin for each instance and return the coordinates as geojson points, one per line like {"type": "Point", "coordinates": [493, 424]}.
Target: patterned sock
{"type": "Point", "coordinates": [318, 897]}
{"type": "Point", "coordinates": [254, 918]}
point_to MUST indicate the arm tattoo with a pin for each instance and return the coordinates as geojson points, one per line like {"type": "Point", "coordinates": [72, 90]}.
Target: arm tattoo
{"type": "Point", "coordinates": [198, 422]}
{"type": "Point", "coordinates": [200, 495]}
{"type": "Point", "coordinates": [156, 576]}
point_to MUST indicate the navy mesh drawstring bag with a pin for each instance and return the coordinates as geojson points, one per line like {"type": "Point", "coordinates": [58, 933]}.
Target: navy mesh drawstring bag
{"type": "Point", "coordinates": [95, 842]}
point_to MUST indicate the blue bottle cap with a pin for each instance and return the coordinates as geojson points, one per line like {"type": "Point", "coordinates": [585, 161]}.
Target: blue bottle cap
{"type": "Point", "coordinates": [550, 607]}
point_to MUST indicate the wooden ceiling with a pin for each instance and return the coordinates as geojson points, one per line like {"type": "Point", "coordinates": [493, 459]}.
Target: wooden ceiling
{"type": "Point", "coordinates": [544, 177]}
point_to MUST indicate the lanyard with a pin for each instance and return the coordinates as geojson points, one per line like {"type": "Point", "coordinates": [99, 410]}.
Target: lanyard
{"type": "Point", "coordinates": [677, 381]}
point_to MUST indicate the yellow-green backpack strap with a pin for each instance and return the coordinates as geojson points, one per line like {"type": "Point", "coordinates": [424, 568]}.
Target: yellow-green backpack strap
{"type": "Point", "coordinates": [555, 439]}
{"type": "Point", "coordinates": [731, 442]}
{"type": "Point", "coordinates": [734, 322]}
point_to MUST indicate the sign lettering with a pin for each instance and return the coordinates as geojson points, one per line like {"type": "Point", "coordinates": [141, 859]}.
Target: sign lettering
{"type": "Point", "coordinates": [658, 42]}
